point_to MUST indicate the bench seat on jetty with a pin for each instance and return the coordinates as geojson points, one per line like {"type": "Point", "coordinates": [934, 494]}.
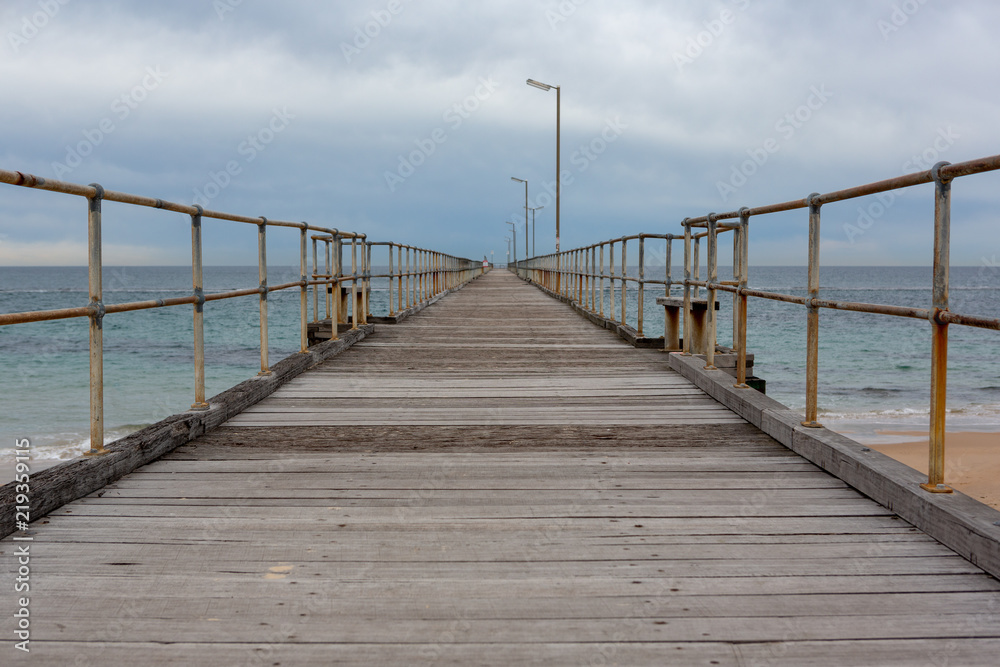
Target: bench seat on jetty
{"type": "Point", "coordinates": [495, 480]}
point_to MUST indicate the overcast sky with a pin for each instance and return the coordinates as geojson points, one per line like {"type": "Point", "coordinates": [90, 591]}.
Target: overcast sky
{"type": "Point", "coordinates": [406, 120]}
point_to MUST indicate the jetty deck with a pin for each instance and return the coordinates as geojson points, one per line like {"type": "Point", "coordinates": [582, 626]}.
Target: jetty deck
{"type": "Point", "coordinates": [495, 481]}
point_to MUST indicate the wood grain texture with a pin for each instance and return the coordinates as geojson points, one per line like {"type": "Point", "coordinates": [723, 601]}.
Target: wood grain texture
{"type": "Point", "coordinates": [447, 495]}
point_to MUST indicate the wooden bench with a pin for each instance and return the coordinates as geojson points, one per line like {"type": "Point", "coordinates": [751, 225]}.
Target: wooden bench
{"type": "Point", "coordinates": [673, 307]}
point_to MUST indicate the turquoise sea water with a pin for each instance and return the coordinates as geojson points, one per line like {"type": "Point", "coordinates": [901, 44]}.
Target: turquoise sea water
{"type": "Point", "coordinates": [874, 370]}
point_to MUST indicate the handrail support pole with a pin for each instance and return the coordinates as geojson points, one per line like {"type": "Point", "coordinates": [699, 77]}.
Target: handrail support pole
{"type": "Point", "coordinates": [812, 317]}
{"type": "Point", "coordinates": [939, 342]}
{"type": "Point", "coordinates": [94, 279]}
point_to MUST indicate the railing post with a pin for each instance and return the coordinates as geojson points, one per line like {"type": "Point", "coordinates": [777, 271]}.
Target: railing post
{"type": "Point", "coordinates": [697, 266]}
{"type": "Point", "coordinates": [399, 282]}
{"type": "Point", "coordinates": [366, 277]}
{"type": "Point", "coordinates": [601, 304]}
{"type": "Point", "coordinates": [197, 279]}
{"type": "Point", "coordinates": [686, 341]}
{"type": "Point", "coordinates": [330, 284]}
{"type": "Point", "coordinates": [624, 280]}
{"type": "Point", "coordinates": [812, 321]}
{"type": "Point", "coordinates": [304, 292]}
{"type": "Point", "coordinates": [581, 270]}
{"type": "Point", "coordinates": [265, 368]}
{"type": "Point", "coordinates": [391, 311]}
{"type": "Point", "coordinates": [666, 284]}
{"type": "Point", "coordinates": [593, 278]}
{"type": "Point", "coordinates": [713, 277]}
{"type": "Point", "coordinates": [315, 278]}
{"type": "Point", "coordinates": [611, 280]}
{"type": "Point", "coordinates": [94, 279]}
{"type": "Point", "coordinates": [354, 282]}
{"type": "Point", "coordinates": [668, 259]}
{"type": "Point", "coordinates": [737, 232]}
{"type": "Point", "coordinates": [335, 251]}
{"type": "Point", "coordinates": [939, 345]}
{"type": "Point", "coordinates": [741, 315]}
{"type": "Point", "coordinates": [642, 282]}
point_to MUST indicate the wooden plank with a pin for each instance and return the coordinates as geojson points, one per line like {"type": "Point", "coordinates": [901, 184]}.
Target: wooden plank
{"type": "Point", "coordinates": [283, 607]}
{"type": "Point", "coordinates": [651, 628]}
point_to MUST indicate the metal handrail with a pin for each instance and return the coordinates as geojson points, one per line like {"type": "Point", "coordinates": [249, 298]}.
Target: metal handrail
{"type": "Point", "coordinates": [329, 280]}
{"type": "Point", "coordinates": [547, 270]}
{"type": "Point", "coordinates": [431, 273]}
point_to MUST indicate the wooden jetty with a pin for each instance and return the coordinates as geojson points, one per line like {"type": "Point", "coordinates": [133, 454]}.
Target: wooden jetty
{"type": "Point", "coordinates": [494, 481]}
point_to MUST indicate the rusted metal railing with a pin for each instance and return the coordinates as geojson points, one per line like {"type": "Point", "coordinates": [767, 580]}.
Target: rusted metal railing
{"type": "Point", "coordinates": [579, 275]}
{"type": "Point", "coordinates": [549, 269]}
{"type": "Point", "coordinates": [339, 307]}
{"type": "Point", "coordinates": [329, 279]}
{"type": "Point", "coordinates": [420, 275]}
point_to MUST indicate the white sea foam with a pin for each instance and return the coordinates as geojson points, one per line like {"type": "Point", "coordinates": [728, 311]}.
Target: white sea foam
{"type": "Point", "coordinates": [57, 447]}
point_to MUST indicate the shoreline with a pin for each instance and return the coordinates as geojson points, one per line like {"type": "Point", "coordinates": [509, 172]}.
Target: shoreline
{"type": "Point", "coordinates": [972, 460]}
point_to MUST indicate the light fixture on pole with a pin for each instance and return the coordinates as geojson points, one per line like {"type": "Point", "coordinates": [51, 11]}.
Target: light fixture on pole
{"type": "Point", "coordinates": [545, 86]}
{"type": "Point", "coordinates": [521, 180]}
{"type": "Point", "coordinates": [536, 208]}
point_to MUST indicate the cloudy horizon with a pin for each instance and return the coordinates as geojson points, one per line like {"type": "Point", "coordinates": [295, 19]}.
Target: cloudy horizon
{"type": "Point", "coordinates": [406, 121]}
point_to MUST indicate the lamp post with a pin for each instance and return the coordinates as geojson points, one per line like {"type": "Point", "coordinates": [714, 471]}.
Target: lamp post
{"type": "Point", "coordinates": [545, 86]}
{"type": "Point", "coordinates": [521, 180]}
{"type": "Point", "coordinates": [507, 239]}
{"type": "Point", "coordinates": [536, 208]}
{"type": "Point", "coordinates": [513, 231]}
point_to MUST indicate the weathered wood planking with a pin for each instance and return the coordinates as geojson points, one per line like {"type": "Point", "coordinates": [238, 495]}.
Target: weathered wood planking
{"type": "Point", "coordinates": [640, 525]}
{"type": "Point", "coordinates": [473, 373]}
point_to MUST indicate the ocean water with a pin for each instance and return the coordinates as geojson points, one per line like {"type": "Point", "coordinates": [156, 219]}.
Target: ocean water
{"type": "Point", "coordinates": [148, 354]}
{"type": "Point", "coordinates": [874, 370]}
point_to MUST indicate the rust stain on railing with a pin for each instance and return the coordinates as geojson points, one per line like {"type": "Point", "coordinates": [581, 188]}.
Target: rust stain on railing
{"type": "Point", "coordinates": [436, 273]}
{"type": "Point", "coordinates": [550, 270]}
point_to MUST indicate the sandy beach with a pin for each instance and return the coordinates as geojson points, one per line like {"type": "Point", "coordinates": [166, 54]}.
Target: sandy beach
{"type": "Point", "coordinates": [972, 461]}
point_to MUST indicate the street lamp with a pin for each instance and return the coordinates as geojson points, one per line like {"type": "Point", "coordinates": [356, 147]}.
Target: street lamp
{"type": "Point", "coordinates": [536, 208]}
{"type": "Point", "coordinates": [521, 180]}
{"type": "Point", "coordinates": [545, 86]}
{"type": "Point", "coordinates": [513, 230]}
{"type": "Point", "coordinates": [507, 239]}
